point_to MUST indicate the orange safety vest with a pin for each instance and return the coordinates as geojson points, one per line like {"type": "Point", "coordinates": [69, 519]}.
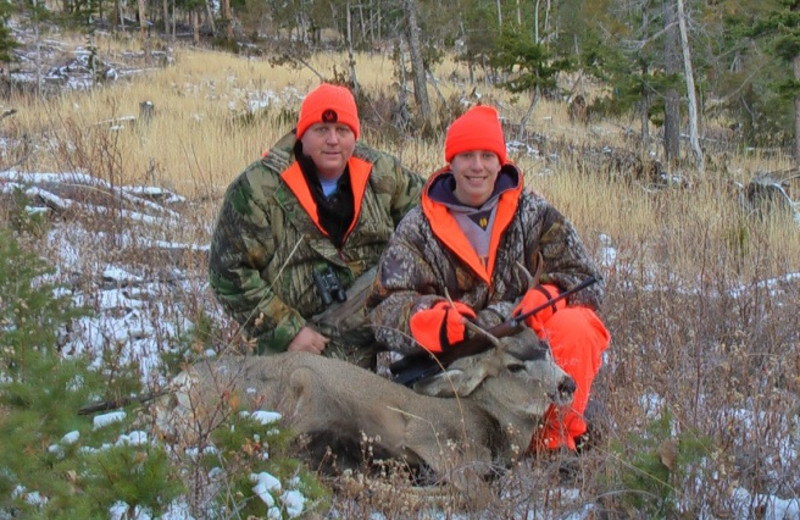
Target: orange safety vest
{"type": "Point", "coordinates": [359, 176]}
{"type": "Point", "coordinates": [449, 233]}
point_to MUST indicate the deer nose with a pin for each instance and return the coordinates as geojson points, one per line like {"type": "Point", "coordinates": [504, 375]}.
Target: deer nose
{"type": "Point", "coordinates": [566, 388]}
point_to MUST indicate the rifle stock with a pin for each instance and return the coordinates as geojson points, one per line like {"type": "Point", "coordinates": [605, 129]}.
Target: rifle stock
{"type": "Point", "coordinates": [415, 367]}
{"type": "Point", "coordinates": [478, 343]}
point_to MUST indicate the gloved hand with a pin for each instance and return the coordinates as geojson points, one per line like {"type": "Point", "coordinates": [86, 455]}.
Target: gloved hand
{"type": "Point", "coordinates": [534, 298]}
{"type": "Point", "coordinates": [441, 326]}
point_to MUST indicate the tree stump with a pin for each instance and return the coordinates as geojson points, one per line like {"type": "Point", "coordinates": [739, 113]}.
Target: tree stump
{"type": "Point", "coordinates": [766, 196]}
{"type": "Point", "coordinates": [146, 111]}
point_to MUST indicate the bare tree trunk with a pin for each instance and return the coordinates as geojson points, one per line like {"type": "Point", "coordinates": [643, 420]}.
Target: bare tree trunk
{"type": "Point", "coordinates": [470, 57]}
{"type": "Point", "coordinates": [210, 16]}
{"type": "Point", "coordinates": [536, 22]}
{"type": "Point", "coordinates": [142, 18]}
{"type": "Point", "coordinates": [524, 122]}
{"type": "Point", "coordinates": [350, 54]}
{"type": "Point", "coordinates": [37, 38]}
{"type": "Point", "coordinates": [672, 115]}
{"type": "Point", "coordinates": [519, 14]}
{"type": "Point", "coordinates": [165, 14]}
{"type": "Point", "coordinates": [196, 26]}
{"type": "Point", "coordinates": [362, 22]}
{"type": "Point", "coordinates": [401, 60]}
{"type": "Point", "coordinates": [402, 117]}
{"type": "Point", "coordinates": [499, 14]}
{"type": "Point", "coordinates": [435, 84]}
{"type": "Point", "coordinates": [796, 66]}
{"type": "Point", "coordinates": [547, 18]}
{"type": "Point", "coordinates": [690, 89]}
{"type": "Point", "coordinates": [116, 15]}
{"type": "Point", "coordinates": [377, 23]}
{"type": "Point", "coordinates": [417, 64]}
{"type": "Point", "coordinates": [226, 15]}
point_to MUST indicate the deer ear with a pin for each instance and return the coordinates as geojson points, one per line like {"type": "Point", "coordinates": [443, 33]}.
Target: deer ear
{"type": "Point", "coordinates": [452, 383]}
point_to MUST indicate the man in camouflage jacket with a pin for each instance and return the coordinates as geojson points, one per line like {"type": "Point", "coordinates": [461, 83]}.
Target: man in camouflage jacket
{"type": "Point", "coordinates": [317, 202]}
{"type": "Point", "coordinates": [473, 237]}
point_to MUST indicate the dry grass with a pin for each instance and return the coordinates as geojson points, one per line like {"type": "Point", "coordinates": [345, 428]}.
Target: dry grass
{"type": "Point", "coordinates": [696, 328]}
{"type": "Point", "coordinates": [214, 113]}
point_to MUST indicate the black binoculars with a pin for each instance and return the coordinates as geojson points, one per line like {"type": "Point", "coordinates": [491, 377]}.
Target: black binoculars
{"type": "Point", "coordinates": [328, 286]}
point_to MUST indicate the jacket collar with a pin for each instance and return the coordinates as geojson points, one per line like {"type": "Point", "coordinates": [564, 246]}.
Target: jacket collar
{"type": "Point", "coordinates": [359, 177]}
{"type": "Point", "coordinates": [435, 205]}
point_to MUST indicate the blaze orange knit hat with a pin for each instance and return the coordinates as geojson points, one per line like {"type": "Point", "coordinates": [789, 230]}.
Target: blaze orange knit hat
{"type": "Point", "coordinates": [478, 129]}
{"type": "Point", "coordinates": [328, 104]}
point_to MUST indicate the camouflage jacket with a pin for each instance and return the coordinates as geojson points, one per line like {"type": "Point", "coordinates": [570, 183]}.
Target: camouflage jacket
{"type": "Point", "coordinates": [429, 253]}
{"type": "Point", "coordinates": [267, 242]}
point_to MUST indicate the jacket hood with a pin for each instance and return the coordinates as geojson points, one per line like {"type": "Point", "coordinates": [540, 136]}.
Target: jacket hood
{"type": "Point", "coordinates": [441, 185]}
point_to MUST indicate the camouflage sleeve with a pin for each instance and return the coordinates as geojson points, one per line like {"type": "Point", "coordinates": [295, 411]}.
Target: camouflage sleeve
{"type": "Point", "coordinates": [407, 194]}
{"type": "Point", "coordinates": [240, 250]}
{"type": "Point", "coordinates": [494, 314]}
{"type": "Point", "coordinates": [405, 283]}
{"type": "Point", "coordinates": [566, 260]}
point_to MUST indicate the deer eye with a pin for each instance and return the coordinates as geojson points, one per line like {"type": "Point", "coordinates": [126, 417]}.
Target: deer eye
{"type": "Point", "coordinates": [516, 367]}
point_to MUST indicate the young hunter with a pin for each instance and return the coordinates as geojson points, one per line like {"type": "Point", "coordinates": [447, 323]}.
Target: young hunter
{"type": "Point", "coordinates": [304, 224]}
{"type": "Point", "coordinates": [475, 223]}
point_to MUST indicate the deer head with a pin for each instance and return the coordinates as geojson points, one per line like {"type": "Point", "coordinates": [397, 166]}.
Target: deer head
{"type": "Point", "coordinates": [515, 383]}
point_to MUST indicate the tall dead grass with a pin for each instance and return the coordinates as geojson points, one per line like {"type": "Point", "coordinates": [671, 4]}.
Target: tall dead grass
{"type": "Point", "coordinates": [214, 113]}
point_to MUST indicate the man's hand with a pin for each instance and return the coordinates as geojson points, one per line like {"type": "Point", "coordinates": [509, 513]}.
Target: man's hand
{"type": "Point", "coordinates": [441, 326]}
{"type": "Point", "coordinates": [536, 297]}
{"type": "Point", "coordinates": [308, 340]}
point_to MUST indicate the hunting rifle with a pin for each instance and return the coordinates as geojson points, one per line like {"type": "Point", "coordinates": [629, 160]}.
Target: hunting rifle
{"type": "Point", "coordinates": [416, 367]}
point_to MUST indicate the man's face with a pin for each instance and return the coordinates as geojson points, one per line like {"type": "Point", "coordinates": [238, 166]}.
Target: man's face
{"type": "Point", "coordinates": [330, 146]}
{"type": "Point", "coordinates": [475, 172]}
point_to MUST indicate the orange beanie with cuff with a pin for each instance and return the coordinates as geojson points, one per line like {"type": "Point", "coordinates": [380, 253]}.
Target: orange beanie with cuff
{"type": "Point", "coordinates": [478, 129]}
{"type": "Point", "coordinates": [328, 104]}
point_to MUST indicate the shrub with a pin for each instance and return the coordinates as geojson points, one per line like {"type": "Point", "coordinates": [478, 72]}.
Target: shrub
{"type": "Point", "coordinates": [655, 473]}
{"type": "Point", "coordinates": [250, 455]}
{"type": "Point", "coordinates": [56, 463]}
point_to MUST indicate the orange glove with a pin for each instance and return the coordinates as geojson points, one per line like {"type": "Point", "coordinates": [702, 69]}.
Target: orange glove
{"type": "Point", "coordinates": [536, 297]}
{"type": "Point", "coordinates": [441, 326]}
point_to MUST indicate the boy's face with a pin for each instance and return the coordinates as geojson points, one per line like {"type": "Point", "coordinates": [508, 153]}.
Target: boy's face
{"type": "Point", "coordinates": [475, 172]}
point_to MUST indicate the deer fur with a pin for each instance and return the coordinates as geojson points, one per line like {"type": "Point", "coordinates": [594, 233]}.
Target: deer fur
{"type": "Point", "coordinates": [484, 409]}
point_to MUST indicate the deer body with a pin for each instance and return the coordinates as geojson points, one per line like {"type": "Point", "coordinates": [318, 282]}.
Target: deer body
{"type": "Point", "coordinates": [485, 405]}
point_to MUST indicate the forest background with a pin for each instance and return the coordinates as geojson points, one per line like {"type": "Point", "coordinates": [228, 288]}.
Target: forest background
{"type": "Point", "coordinates": [730, 58]}
{"type": "Point", "coordinates": [678, 168]}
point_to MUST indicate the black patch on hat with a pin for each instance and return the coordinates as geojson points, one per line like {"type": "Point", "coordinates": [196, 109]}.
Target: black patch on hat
{"type": "Point", "coordinates": [330, 116]}
{"type": "Point", "coordinates": [481, 218]}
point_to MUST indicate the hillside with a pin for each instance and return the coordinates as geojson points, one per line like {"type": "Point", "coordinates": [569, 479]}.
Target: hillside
{"type": "Point", "coordinates": [700, 394]}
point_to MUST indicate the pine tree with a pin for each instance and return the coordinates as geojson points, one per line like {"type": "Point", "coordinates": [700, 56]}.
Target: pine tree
{"type": "Point", "coordinates": [529, 66]}
{"type": "Point", "coordinates": [782, 26]}
{"type": "Point", "coordinates": [55, 463]}
{"type": "Point", "coordinates": [7, 40]}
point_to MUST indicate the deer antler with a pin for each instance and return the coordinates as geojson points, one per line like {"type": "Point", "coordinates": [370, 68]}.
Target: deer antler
{"type": "Point", "coordinates": [533, 279]}
{"type": "Point", "coordinates": [474, 327]}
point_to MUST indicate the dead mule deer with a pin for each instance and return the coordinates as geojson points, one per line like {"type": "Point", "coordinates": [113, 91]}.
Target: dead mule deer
{"type": "Point", "coordinates": [487, 405]}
